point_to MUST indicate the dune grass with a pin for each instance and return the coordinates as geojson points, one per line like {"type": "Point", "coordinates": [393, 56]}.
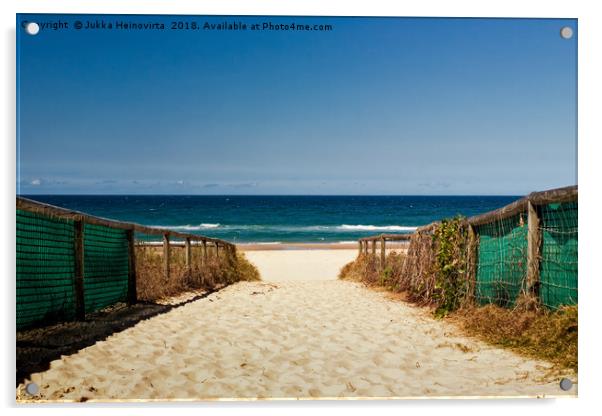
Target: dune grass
{"type": "Point", "coordinates": [538, 333]}
{"type": "Point", "coordinates": [223, 269]}
{"type": "Point", "coordinates": [367, 269]}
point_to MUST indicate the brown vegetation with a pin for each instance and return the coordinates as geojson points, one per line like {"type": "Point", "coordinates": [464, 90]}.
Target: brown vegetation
{"type": "Point", "coordinates": [538, 333]}
{"type": "Point", "coordinates": [223, 269]}
{"type": "Point", "coordinates": [433, 270]}
{"type": "Point", "coordinates": [367, 269]}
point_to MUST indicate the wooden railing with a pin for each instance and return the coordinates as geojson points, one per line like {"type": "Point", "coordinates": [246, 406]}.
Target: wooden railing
{"type": "Point", "coordinates": [569, 193]}
{"type": "Point", "coordinates": [80, 218]}
{"type": "Point", "coordinates": [534, 233]}
{"type": "Point", "coordinates": [382, 238]}
{"type": "Point", "coordinates": [526, 204]}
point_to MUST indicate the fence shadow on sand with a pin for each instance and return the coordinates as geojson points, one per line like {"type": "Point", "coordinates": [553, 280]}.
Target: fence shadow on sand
{"type": "Point", "coordinates": [37, 348]}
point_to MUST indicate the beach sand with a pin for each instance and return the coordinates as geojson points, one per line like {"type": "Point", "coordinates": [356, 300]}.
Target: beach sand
{"type": "Point", "coordinates": [288, 337]}
{"type": "Point", "coordinates": [306, 265]}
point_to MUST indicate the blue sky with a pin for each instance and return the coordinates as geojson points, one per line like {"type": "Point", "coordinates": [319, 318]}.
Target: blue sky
{"type": "Point", "coordinates": [375, 106]}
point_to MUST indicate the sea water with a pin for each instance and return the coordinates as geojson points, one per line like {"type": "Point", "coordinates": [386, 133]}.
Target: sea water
{"type": "Point", "coordinates": [280, 219]}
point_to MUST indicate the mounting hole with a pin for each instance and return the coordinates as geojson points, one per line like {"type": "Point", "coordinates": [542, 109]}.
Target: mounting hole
{"type": "Point", "coordinates": [566, 384]}
{"type": "Point", "coordinates": [32, 389]}
{"type": "Point", "coordinates": [566, 32]}
{"type": "Point", "coordinates": [32, 28]}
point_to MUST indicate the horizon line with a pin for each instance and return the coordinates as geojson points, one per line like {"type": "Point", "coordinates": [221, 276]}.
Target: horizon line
{"type": "Point", "coordinates": [272, 195]}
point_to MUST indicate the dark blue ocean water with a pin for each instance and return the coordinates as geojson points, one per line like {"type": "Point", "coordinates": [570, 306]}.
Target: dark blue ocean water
{"type": "Point", "coordinates": [264, 219]}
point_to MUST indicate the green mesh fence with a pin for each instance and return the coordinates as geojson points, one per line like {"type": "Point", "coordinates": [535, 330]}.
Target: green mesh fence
{"type": "Point", "coordinates": [45, 269]}
{"type": "Point", "coordinates": [502, 260]}
{"type": "Point", "coordinates": [558, 269]}
{"type": "Point", "coordinates": [105, 266]}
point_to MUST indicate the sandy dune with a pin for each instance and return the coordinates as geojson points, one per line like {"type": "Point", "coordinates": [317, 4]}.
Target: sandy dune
{"type": "Point", "coordinates": [291, 339]}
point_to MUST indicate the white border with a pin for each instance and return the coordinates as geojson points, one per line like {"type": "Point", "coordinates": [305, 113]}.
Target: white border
{"type": "Point", "coordinates": [589, 187]}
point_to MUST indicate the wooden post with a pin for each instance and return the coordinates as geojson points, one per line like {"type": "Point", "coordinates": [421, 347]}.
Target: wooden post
{"type": "Point", "coordinates": [80, 306]}
{"type": "Point", "coordinates": [471, 274]}
{"type": "Point", "coordinates": [359, 243]}
{"type": "Point", "coordinates": [132, 293]}
{"type": "Point", "coordinates": [166, 255]}
{"type": "Point", "coordinates": [383, 254]}
{"type": "Point", "coordinates": [373, 247]}
{"type": "Point", "coordinates": [365, 248]}
{"type": "Point", "coordinates": [188, 255]}
{"type": "Point", "coordinates": [216, 250]}
{"type": "Point", "coordinates": [533, 250]}
{"type": "Point", "coordinates": [202, 260]}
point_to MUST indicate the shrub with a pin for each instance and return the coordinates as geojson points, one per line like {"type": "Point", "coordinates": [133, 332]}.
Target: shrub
{"type": "Point", "coordinates": [451, 282]}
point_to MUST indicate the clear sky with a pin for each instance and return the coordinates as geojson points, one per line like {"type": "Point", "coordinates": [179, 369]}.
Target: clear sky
{"type": "Point", "coordinates": [373, 106]}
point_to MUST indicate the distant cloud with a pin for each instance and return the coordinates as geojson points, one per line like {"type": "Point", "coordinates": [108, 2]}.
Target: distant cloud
{"type": "Point", "coordinates": [243, 185]}
{"type": "Point", "coordinates": [240, 185]}
{"type": "Point", "coordinates": [46, 182]}
{"type": "Point", "coordinates": [434, 185]}
{"type": "Point", "coordinates": [180, 182]}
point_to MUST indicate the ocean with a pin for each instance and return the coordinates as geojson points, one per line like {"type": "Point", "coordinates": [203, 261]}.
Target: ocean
{"type": "Point", "coordinates": [280, 219]}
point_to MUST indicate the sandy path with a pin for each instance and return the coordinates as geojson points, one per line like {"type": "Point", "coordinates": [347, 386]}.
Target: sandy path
{"type": "Point", "coordinates": [292, 340]}
{"type": "Point", "coordinates": [280, 265]}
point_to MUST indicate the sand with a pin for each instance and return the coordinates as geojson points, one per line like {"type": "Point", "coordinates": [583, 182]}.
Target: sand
{"type": "Point", "coordinates": [293, 338]}
{"type": "Point", "coordinates": [306, 265]}
{"type": "Point", "coordinates": [391, 245]}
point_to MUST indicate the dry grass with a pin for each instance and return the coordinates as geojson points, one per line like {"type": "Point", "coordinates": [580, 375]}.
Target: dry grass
{"type": "Point", "coordinates": [534, 332]}
{"type": "Point", "coordinates": [417, 274]}
{"type": "Point", "coordinates": [409, 272]}
{"type": "Point", "coordinates": [367, 269]}
{"type": "Point", "coordinates": [362, 269]}
{"type": "Point", "coordinates": [151, 282]}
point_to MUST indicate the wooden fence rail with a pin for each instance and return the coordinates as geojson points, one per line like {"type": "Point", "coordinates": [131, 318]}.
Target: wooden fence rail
{"type": "Point", "coordinates": [382, 238]}
{"type": "Point", "coordinates": [79, 219]}
{"type": "Point", "coordinates": [566, 194]}
{"type": "Point", "coordinates": [57, 212]}
{"type": "Point", "coordinates": [526, 205]}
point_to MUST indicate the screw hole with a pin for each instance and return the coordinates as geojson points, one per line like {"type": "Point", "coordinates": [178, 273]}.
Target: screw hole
{"type": "Point", "coordinates": [566, 32]}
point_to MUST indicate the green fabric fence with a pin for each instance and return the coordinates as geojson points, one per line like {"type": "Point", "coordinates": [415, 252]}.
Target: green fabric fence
{"type": "Point", "coordinates": [558, 276]}
{"type": "Point", "coordinates": [45, 269]}
{"type": "Point", "coordinates": [501, 270]}
{"type": "Point", "coordinates": [46, 290]}
{"type": "Point", "coordinates": [105, 266]}
{"type": "Point", "coordinates": [502, 260]}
